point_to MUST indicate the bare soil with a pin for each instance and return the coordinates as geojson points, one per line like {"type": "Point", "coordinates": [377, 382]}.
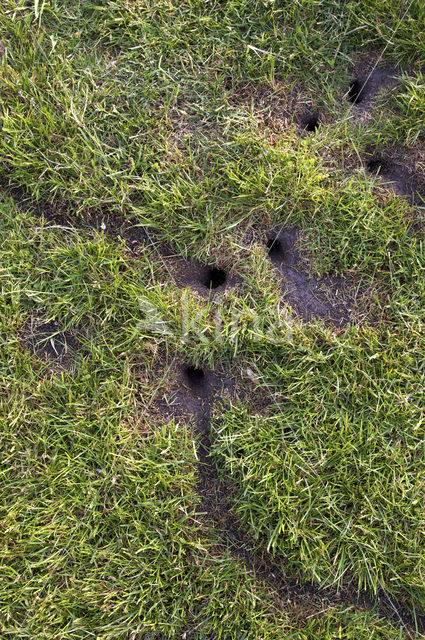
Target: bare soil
{"type": "Point", "coordinates": [325, 299]}
{"type": "Point", "coordinates": [206, 280]}
{"type": "Point", "coordinates": [398, 170]}
{"type": "Point", "coordinates": [367, 82]}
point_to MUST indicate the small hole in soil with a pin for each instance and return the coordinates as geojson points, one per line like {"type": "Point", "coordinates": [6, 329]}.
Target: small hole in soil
{"type": "Point", "coordinates": [194, 377]}
{"type": "Point", "coordinates": [356, 91]}
{"type": "Point", "coordinates": [374, 165]}
{"type": "Point", "coordinates": [275, 249]}
{"type": "Point", "coordinates": [214, 278]}
{"type": "Point", "coordinates": [311, 123]}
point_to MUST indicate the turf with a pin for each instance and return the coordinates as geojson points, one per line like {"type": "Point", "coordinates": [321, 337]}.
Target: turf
{"type": "Point", "coordinates": [149, 151]}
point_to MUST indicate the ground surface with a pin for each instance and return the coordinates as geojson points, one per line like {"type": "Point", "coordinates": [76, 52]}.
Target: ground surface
{"type": "Point", "coordinates": [212, 319]}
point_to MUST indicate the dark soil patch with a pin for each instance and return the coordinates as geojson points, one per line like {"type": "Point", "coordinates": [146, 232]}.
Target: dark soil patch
{"type": "Point", "coordinates": [403, 179]}
{"type": "Point", "coordinates": [365, 86]}
{"type": "Point", "coordinates": [48, 342]}
{"type": "Point", "coordinates": [324, 299]}
{"type": "Point", "coordinates": [194, 393]}
{"type": "Point", "coordinates": [129, 230]}
{"type": "Point", "coordinates": [197, 390]}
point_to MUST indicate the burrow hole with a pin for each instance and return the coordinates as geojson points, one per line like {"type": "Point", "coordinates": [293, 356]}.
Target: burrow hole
{"type": "Point", "coordinates": [356, 91]}
{"type": "Point", "coordinates": [311, 122]}
{"type": "Point", "coordinates": [194, 376]}
{"type": "Point", "coordinates": [275, 249]}
{"type": "Point", "coordinates": [214, 277]}
{"type": "Point", "coordinates": [375, 165]}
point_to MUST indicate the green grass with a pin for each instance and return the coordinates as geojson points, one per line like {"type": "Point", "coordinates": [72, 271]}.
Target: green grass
{"type": "Point", "coordinates": [332, 477]}
{"type": "Point", "coordinates": [179, 115]}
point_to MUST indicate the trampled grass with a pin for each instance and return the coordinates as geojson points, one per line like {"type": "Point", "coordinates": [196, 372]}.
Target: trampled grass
{"type": "Point", "coordinates": [188, 120]}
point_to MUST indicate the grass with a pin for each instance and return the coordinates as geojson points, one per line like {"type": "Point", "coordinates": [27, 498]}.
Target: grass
{"type": "Point", "coordinates": [332, 477]}
{"type": "Point", "coordinates": [185, 117]}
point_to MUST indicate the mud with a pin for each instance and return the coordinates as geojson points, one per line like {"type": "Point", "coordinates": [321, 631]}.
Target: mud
{"type": "Point", "coordinates": [325, 299]}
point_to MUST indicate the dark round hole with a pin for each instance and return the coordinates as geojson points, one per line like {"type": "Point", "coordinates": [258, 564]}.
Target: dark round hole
{"type": "Point", "coordinates": [195, 377]}
{"type": "Point", "coordinates": [374, 165]}
{"type": "Point", "coordinates": [356, 91]}
{"type": "Point", "coordinates": [214, 278]}
{"type": "Point", "coordinates": [275, 249]}
{"type": "Point", "coordinates": [311, 123]}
